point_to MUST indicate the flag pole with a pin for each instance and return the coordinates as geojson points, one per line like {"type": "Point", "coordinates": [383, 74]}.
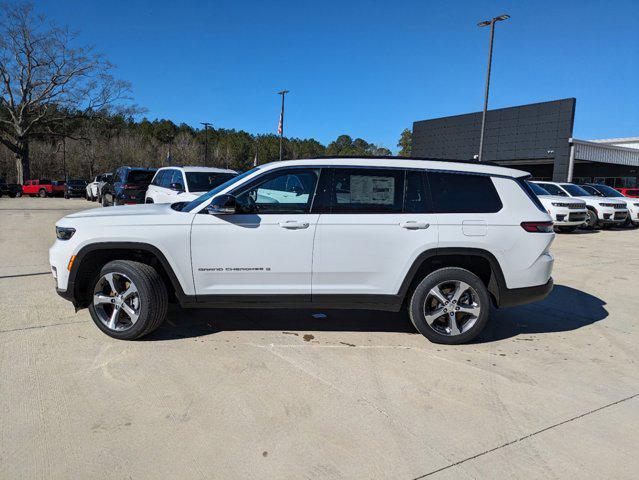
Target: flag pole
{"type": "Point", "coordinates": [280, 127]}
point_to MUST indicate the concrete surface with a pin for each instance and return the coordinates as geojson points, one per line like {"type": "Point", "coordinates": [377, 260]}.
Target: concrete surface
{"type": "Point", "coordinates": [549, 391]}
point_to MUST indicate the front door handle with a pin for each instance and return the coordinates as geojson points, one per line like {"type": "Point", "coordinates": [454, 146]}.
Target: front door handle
{"type": "Point", "coordinates": [293, 225]}
{"type": "Point", "coordinates": [411, 225]}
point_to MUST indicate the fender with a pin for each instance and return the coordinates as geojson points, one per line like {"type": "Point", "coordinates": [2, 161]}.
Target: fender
{"type": "Point", "coordinates": [71, 292]}
{"type": "Point", "coordinates": [496, 284]}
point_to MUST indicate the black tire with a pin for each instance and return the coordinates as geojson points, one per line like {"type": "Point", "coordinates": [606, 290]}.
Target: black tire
{"type": "Point", "coordinates": [566, 229]}
{"type": "Point", "coordinates": [152, 293]}
{"type": "Point", "coordinates": [18, 194]}
{"type": "Point", "coordinates": [66, 196]}
{"type": "Point", "coordinates": [420, 295]}
{"type": "Point", "coordinates": [592, 221]}
{"type": "Point", "coordinates": [148, 200]}
{"type": "Point", "coordinates": [42, 193]}
{"type": "Point", "coordinates": [104, 202]}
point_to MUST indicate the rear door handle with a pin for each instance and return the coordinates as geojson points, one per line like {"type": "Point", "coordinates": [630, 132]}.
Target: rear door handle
{"type": "Point", "coordinates": [293, 225]}
{"type": "Point", "coordinates": [411, 225]}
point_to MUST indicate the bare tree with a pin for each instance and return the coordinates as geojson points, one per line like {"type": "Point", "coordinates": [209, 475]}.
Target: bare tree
{"type": "Point", "coordinates": [45, 78]}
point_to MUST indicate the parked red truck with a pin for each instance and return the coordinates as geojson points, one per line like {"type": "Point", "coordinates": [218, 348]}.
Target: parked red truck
{"type": "Point", "coordinates": [42, 188]}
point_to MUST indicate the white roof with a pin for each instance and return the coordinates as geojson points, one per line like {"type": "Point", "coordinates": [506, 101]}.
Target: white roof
{"type": "Point", "coordinates": [199, 169]}
{"type": "Point", "coordinates": [617, 140]}
{"type": "Point", "coordinates": [471, 167]}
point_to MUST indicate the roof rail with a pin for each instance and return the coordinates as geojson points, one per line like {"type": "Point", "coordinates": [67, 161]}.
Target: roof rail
{"type": "Point", "coordinates": [397, 157]}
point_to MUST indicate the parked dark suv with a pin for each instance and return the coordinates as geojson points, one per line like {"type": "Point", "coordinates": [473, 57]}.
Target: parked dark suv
{"type": "Point", "coordinates": [10, 189]}
{"type": "Point", "coordinates": [75, 188]}
{"type": "Point", "coordinates": [127, 186]}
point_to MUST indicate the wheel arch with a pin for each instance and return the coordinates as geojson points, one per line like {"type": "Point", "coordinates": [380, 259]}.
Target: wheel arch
{"type": "Point", "coordinates": [478, 261]}
{"type": "Point", "coordinates": [91, 258]}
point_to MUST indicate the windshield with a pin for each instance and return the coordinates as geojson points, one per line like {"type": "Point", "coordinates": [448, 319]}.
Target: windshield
{"type": "Point", "coordinates": [537, 189]}
{"type": "Point", "coordinates": [575, 191]}
{"type": "Point", "coordinates": [205, 181]}
{"type": "Point", "coordinates": [140, 176]}
{"type": "Point", "coordinates": [608, 191]}
{"type": "Point", "coordinates": [200, 200]}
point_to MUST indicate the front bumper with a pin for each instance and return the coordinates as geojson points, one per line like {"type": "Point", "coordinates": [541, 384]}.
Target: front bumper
{"type": "Point", "coordinates": [565, 217]}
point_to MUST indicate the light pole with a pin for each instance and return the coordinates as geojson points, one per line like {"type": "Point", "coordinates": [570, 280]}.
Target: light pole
{"type": "Point", "coordinates": [206, 141]}
{"type": "Point", "coordinates": [280, 127]}
{"type": "Point", "coordinates": [485, 23]}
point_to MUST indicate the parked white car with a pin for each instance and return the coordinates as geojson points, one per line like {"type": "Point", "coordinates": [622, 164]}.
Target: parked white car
{"type": "Point", "coordinates": [183, 184]}
{"type": "Point", "coordinates": [94, 188]}
{"type": "Point", "coordinates": [607, 191]}
{"type": "Point", "coordinates": [602, 211]}
{"type": "Point", "coordinates": [567, 214]}
{"type": "Point", "coordinates": [447, 239]}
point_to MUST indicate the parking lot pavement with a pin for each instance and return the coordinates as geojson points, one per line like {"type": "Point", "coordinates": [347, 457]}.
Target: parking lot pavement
{"type": "Point", "coordinates": [549, 390]}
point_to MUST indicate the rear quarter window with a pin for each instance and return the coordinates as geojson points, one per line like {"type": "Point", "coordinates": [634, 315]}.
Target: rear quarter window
{"type": "Point", "coordinates": [463, 193]}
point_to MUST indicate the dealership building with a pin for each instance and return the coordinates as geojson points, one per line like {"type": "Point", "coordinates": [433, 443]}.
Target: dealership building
{"type": "Point", "coordinates": [536, 138]}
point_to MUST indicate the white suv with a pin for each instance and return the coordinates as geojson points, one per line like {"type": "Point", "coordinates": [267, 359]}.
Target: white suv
{"type": "Point", "coordinates": [602, 190]}
{"type": "Point", "coordinates": [444, 239]}
{"type": "Point", "coordinates": [94, 189]}
{"type": "Point", "coordinates": [567, 213]}
{"type": "Point", "coordinates": [183, 184]}
{"type": "Point", "coordinates": [602, 211]}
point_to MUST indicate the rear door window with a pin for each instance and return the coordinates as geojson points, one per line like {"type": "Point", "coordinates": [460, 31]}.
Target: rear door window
{"type": "Point", "coordinates": [367, 190]}
{"type": "Point", "coordinates": [463, 193]}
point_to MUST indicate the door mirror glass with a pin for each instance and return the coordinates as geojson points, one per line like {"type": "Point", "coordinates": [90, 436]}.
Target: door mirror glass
{"type": "Point", "coordinates": [177, 186]}
{"type": "Point", "coordinates": [222, 205]}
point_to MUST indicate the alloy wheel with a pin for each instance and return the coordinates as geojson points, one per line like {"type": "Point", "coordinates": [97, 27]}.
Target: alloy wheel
{"type": "Point", "coordinates": [116, 301]}
{"type": "Point", "coordinates": [452, 308]}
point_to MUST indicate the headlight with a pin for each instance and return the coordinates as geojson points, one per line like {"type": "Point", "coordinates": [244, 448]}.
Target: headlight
{"type": "Point", "coordinates": [64, 233]}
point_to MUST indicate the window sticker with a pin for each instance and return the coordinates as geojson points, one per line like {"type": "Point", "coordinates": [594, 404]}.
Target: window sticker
{"type": "Point", "coordinates": [372, 190]}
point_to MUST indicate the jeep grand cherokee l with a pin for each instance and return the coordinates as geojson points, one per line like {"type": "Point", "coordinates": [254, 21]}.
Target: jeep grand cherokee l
{"type": "Point", "coordinates": [442, 239]}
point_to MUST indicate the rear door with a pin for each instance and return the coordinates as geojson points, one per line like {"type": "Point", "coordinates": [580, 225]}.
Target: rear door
{"type": "Point", "coordinates": [373, 225]}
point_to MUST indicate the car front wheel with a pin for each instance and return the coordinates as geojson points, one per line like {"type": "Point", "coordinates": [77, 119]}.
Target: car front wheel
{"type": "Point", "coordinates": [129, 300]}
{"type": "Point", "coordinates": [591, 220]}
{"type": "Point", "coordinates": [450, 306]}
{"type": "Point", "coordinates": [42, 193]}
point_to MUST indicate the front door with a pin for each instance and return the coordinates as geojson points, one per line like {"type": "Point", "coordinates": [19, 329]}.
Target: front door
{"type": "Point", "coordinates": [266, 248]}
{"type": "Point", "coordinates": [378, 222]}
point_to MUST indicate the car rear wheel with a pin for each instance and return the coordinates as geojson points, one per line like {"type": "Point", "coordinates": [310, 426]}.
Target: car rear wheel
{"type": "Point", "coordinates": [129, 300]}
{"type": "Point", "coordinates": [42, 193]}
{"type": "Point", "coordinates": [450, 306]}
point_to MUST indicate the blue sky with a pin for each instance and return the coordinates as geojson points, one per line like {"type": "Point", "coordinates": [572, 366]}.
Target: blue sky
{"type": "Point", "coordinates": [367, 69]}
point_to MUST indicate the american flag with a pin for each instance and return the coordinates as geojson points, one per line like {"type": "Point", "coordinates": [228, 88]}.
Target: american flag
{"type": "Point", "coordinates": [279, 125]}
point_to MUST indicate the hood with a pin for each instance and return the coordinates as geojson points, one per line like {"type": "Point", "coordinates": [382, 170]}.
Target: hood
{"type": "Point", "coordinates": [592, 198]}
{"type": "Point", "coordinates": [148, 209]}
{"type": "Point", "coordinates": [559, 198]}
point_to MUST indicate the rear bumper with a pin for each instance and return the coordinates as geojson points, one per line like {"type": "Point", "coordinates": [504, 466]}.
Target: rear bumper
{"type": "Point", "coordinates": [511, 297]}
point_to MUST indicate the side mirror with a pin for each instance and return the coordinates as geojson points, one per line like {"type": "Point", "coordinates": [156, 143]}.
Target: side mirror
{"type": "Point", "coordinates": [222, 205]}
{"type": "Point", "coordinates": [177, 186]}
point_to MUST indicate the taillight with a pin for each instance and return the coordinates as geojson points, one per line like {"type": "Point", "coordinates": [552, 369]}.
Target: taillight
{"type": "Point", "coordinates": [537, 227]}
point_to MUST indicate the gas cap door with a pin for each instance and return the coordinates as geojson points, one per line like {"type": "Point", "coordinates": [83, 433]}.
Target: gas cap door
{"type": "Point", "coordinates": [474, 228]}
